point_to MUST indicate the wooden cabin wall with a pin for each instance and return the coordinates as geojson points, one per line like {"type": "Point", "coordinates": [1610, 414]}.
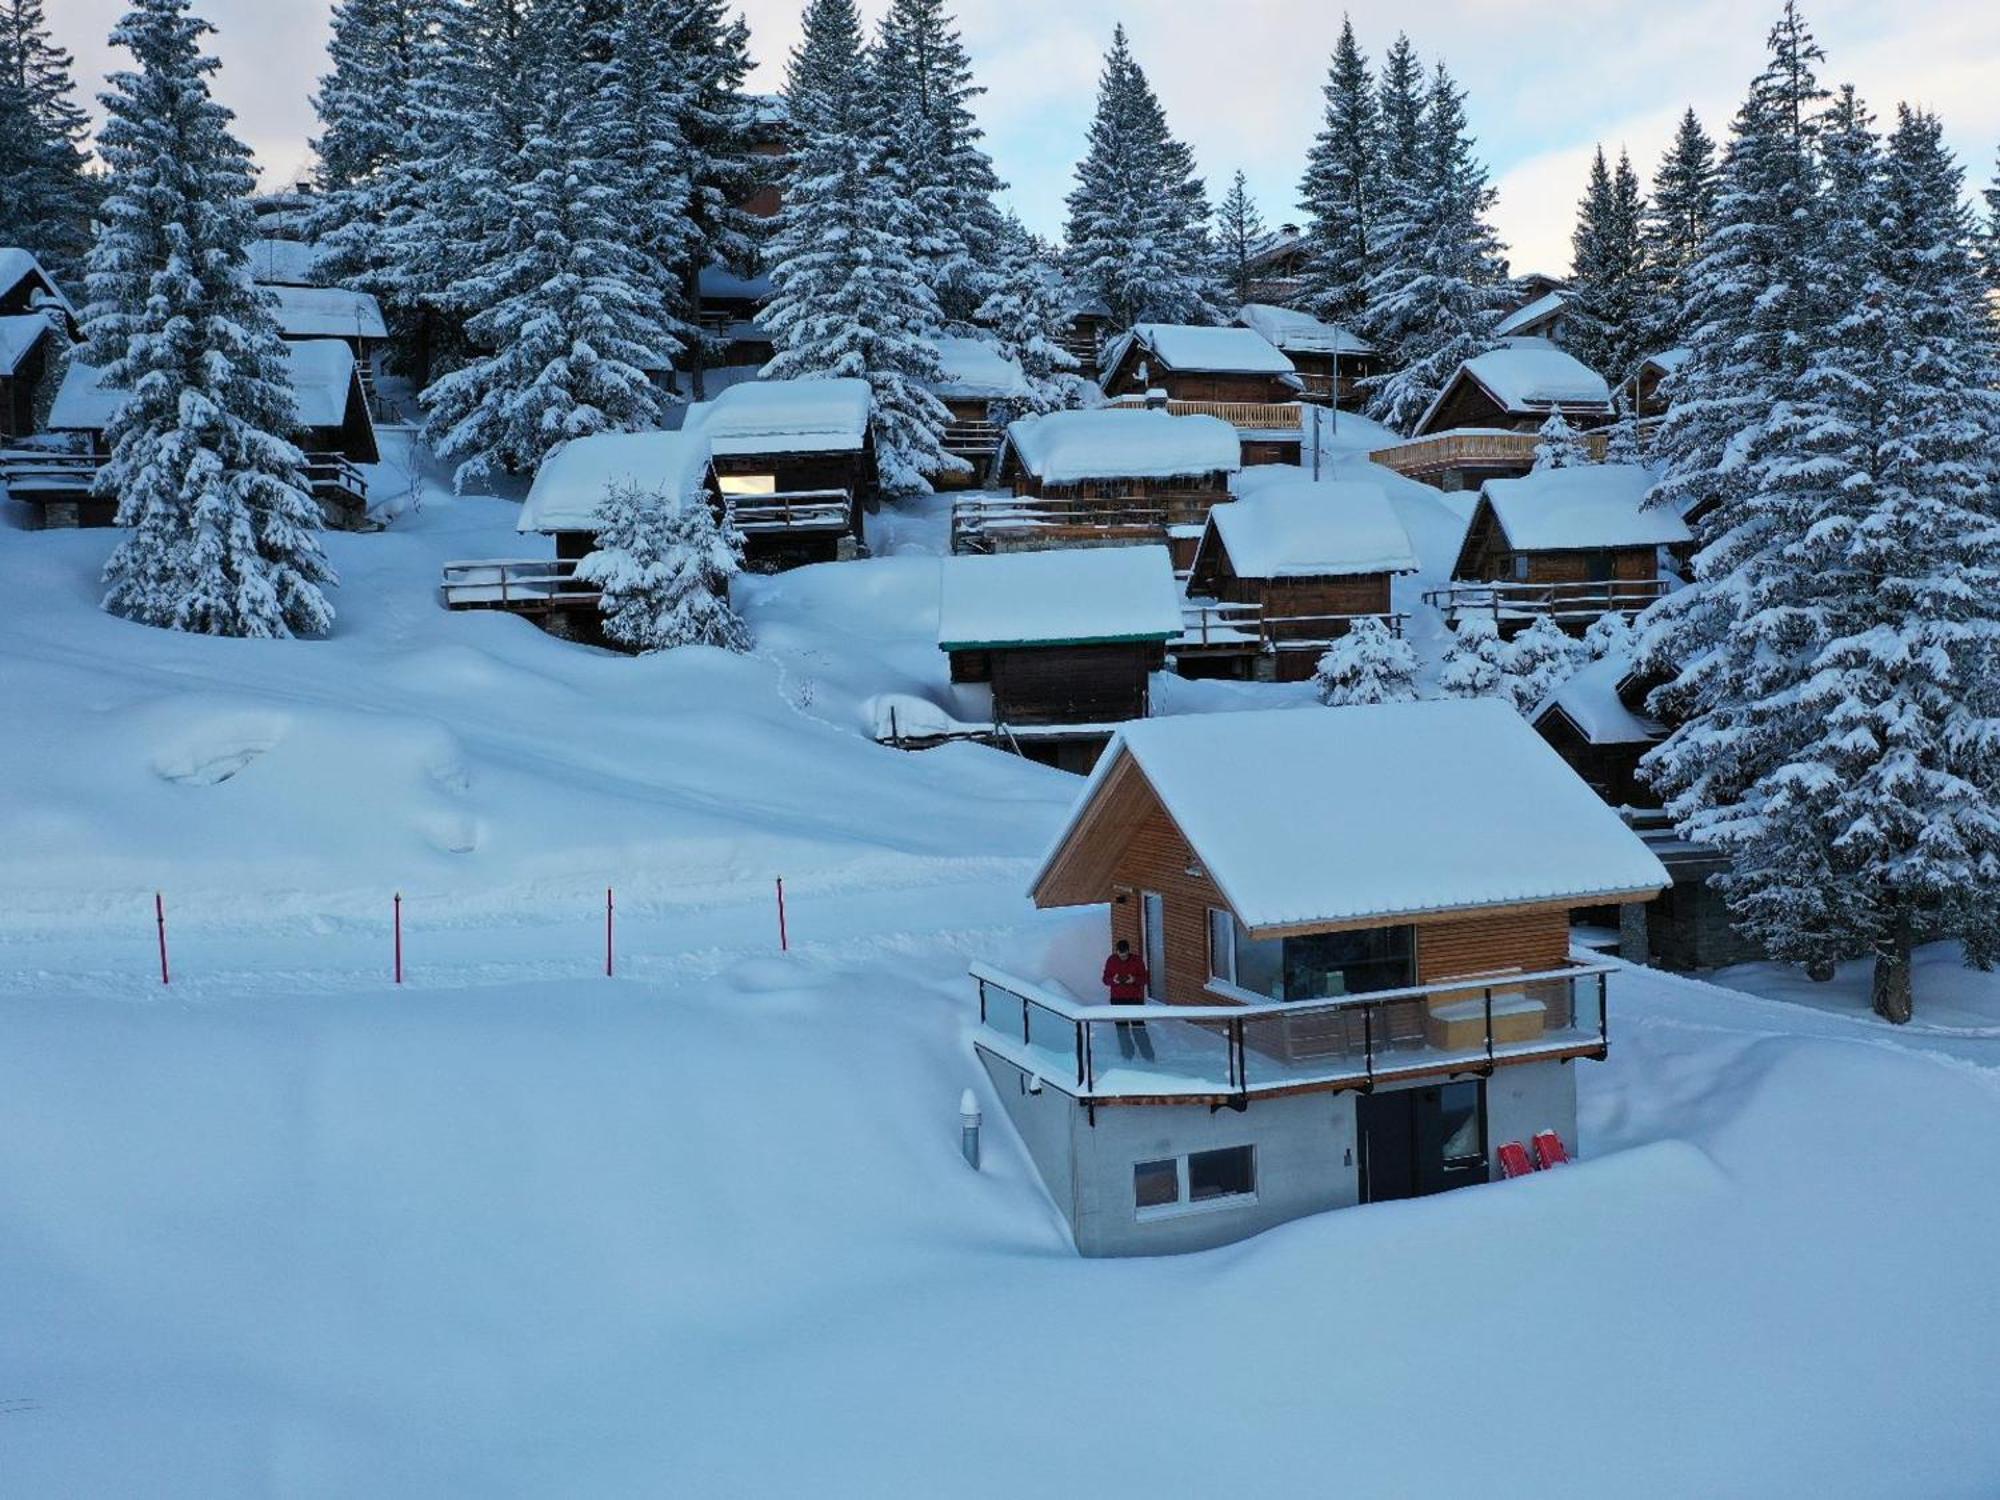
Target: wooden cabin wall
{"type": "Point", "coordinates": [1251, 389]}
{"type": "Point", "coordinates": [1612, 771]}
{"type": "Point", "coordinates": [1096, 684]}
{"type": "Point", "coordinates": [1466, 404]}
{"type": "Point", "coordinates": [1630, 564]}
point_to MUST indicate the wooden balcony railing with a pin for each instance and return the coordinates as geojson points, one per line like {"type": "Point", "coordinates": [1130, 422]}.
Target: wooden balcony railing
{"type": "Point", "coordinates": [1561, 601]}
{"type": "Point", "coordinates": [528, 585]}
{"type": "Point", "coordinates": [792, 510]}
{"type": "Point", "coordinates": [1220, 628]}
{"type": "Point", "coordinates": [973, 439]}
{"type": "Point", "coordinates": [1426, 458]}
{"type": "Point", "coordinates": [1244, 416]}
{"type": "Point", "coordinates": [979, 521]}
{"type": "Point", "coordinates": [339, 486]}
{"type": "Point", "coordinates": [1230, 1052]}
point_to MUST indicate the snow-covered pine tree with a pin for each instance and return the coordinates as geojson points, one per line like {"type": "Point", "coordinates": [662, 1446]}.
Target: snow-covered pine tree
{"type": "Point", "coordinates": [1539, 660]}
{"type": "Point", "coordinates": [1138, 216]}
{"type": "Point", "coordinates": [925, 79]}
{"type": "Point", "coordinates": [1238, 228]}
{"type": "Point", "coordinates": [1558, 446]}
{"type": "Point", "coordinates": [1367, 665]}
{"type": "Point", "coordinates": [664, 564]}
{"type": "Point", "coordinates": [223, 529]}
{"type": "Point", "coordinates": [850, 299]}
{"type": "Point", "coordinates": [1435, 297]}
{"type": "Point", "coordinates": [1621, 443]}
{"type": "Point", "coordinates": [1989, 255]}
{"type": "Point", "coordinates": [1027, 313]}
{"type": "Point", "coordinates": [1608, 289]}
{"type": "Point", "coordinates": [1338, 189]}
{"type": "Point", "coordinates": [46, 198]}
{"type": "Point", "coordinates": [1475, 662]}
{"type": "Point", "coordinates": [373, 47]}
{"type": "Point", "coordinates": [1610, 634]}
{"type": "Point", "coordinates": [1678, 220]}
{"type": "Point", "coordinates": [563, 298]}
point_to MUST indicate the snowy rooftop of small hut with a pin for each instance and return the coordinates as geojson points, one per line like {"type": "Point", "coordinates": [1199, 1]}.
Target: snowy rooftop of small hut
{"type": "Point", "coordinates": [1523, 318]}
{"type": "Point", "coordinates": [322, 376]}
{"type": "Point", "coordinates": [573, 481]}
{"type": "Point", "coordinates": [720, 281]}
{"type": "Point", "coordinates": [1068, 447]}
{"type": "Point", "coordinates": [1525, 375]}
{"type": "Point", "coordinates": [977, 371]}
{"type": "Point", "coordinates": [284, 263]}
{"type": "Point", "coordinates": [1296, 332]}
{"type": "Point", "coordinates": [1301, 528]}
{"type": "Point", "coordinates": [331, 312]}
{"type": "Point", "coordinates": [785, 416]}
{"type": "Point", "coordinates": [17, 264]}
{"type": "Point", "coordinates": [19, 334]}
{"type": "Point", "coordinates": [1308, 817]}
{"type": "Point", "coordinates": [1590, 701]}
{"type": "Point", "coordinates": [1076, 596]}
{"type": "Point", "coordinates": [1667, 360]}
{"type": "Point", "coordinates": [1221, 351]}
{"type": "Point", "coordinates": [1589, 505]}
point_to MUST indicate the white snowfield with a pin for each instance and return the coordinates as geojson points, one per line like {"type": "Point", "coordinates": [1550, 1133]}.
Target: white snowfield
{"type": "Point", "coordinates": [574, 481]}
{"type": "Point", "coordinates": [320, 372]}
{"type": "Point", "coordinates": [1590, 505]}
{"type": "Point", "coordinates": [1069, 447]}
{"type": "Point", "coordinates": [1080, 596]}
{"type": "Point", "coordinates": [1302, 529]}
{"type": "Point", "coordinates": [702, 1229]}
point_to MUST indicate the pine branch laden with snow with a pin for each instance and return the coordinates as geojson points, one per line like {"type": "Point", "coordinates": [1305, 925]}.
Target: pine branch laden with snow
{"type": "Point", "coordinates": [663, 564]}
{"type": "Point", "coordinates": [1340, 186]}
{"type": "Point", "coordinates": [1559, 446]}
{"type": "Point", "coordinates": [1675, 230]}
{"type": "Point", "coordinates": [1538, 661]}
{"type": "Point", "coordinates": [47, 199]}
{"type": "Point", "coordinates": [849, 297]}
{"type": "Point", "coordinates": [1138, 216]}
{"type": "Point", "coordinates": [1621, 442]}
{"type": "Point", "coordinates": [1369, 664]}
{"type": "Point", "coordinates": [1610, 634]}
{"type": "Point", "coordinates": [1606, 318]}
{"type": "Point", "coordinates": [1434, 297]}
{"type": "Point", "coordinates": [561, 293]}
{"type": "Point", "coordinates": [1475, 661]}
{"type": "Point", "coordinates": [1028, 313]}
{"type": "Point", "coordinates": [222, 532]}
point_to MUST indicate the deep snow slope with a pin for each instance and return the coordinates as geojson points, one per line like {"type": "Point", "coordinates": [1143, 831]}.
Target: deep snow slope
{"type": "Point", "coordinates": [516, 1228]}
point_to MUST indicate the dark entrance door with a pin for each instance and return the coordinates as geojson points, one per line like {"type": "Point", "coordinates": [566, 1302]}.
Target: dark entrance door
{"type": "Point", "coordinates": [1423, 1140]}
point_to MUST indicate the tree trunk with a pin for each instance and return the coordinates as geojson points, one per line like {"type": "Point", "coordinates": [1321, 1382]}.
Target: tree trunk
{"type": "Point", "coordinates": [1891, 992]}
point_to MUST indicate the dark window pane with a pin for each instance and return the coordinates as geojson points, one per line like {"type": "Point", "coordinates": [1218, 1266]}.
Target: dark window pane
{"type": "Point", "coordinates": [1327, 965]}
{"type": "Point", "coordinates": [1458, 1105]}
{"type": "Point", "coordinates": [1221, 1174]}
{"type": "Point", "coordinates": [1155, 1183]}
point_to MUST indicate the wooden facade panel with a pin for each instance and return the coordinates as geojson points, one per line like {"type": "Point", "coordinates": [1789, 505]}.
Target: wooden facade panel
{"type": "Point", "coordinates": [1156, 858]}
{"type": "Point", "coordinates": [1527, 940]}
{"type": "Point", "coordinates": [1072, 684]}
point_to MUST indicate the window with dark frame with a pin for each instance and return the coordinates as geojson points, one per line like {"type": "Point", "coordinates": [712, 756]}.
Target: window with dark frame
{"type": "Point", "coordinates": [1228, 1173]}
{"type": "Point", "coordinates": [1156, 1184]}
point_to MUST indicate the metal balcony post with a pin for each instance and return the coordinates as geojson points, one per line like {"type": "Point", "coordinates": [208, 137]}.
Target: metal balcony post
{"type": "Point", "coordinates": [1026, 1038]}
{"type": "Point", "coordinates": [1488, 992]}
{"type": "Point", "coordinates": [982, 999]}
{"type": "Point", "coordinates": [1368, 1041]}
{"type": "Point", "coordinates": [1079, 1054]}
{"type": "Point", "coordinates": [1603, 1010]}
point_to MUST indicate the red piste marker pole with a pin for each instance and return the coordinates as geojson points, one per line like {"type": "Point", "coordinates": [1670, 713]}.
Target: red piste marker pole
{"type": "Point", "coordinates": [160, 917]}
{"type": "Point", "coordinates": [399, 937]}
{"type": "Point", "coordinates": [607, 932]}
{"type": "Point", "coordinates": [783, 945]}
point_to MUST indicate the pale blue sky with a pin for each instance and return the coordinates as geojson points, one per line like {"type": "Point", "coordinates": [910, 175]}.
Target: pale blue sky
{"type": "Point", "coordinates": [1240, 79]}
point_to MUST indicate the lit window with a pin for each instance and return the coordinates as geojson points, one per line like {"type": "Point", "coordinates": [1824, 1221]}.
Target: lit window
{"type": "Point", "coordinates": [749, 484]}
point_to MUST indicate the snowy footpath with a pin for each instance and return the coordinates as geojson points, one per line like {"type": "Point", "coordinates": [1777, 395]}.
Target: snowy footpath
{"type": "Point", "coordinates": [516, 1228]}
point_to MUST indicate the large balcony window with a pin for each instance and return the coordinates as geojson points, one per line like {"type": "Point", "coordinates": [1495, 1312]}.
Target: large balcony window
{"type": "Point", "coordinates": [1317, 966]}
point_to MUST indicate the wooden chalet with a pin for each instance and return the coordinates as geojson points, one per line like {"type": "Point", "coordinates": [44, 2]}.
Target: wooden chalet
{"type": "Point", "coordinates": [1088, 332]}
{"type": "Point", "coordinates": [770, 141]}
{"type": "Point", "coordinates": [335, 432]}
{"type": "Point", "coordinates": [1572, 544]}
{"type": "Point", "coordinates": [1109, 476]}
{"type": "Point", "coordinates": [329, 312]}
{"type": "Point", "coordinates": [1356, 926]}
{"type": "Point", "coordinates": [1648, 400]}
{"type": "Point", "coordinates": [796, 463]}
{"type": "Point", "coordinates": [1286, 570]}
{"type": "Point", "coordinates": [563, 504]}
{"type": "Point", "coordinates": [1056, 649]}
{"type": "Point", "coordinates": [1484, 422]}
{"type": "Point", "coordinates": [1232, 373]}
{"type": "Point", "coordinates": [1542, 317]}
{"type": "Point", "coordinates": [730, 307]}
{"type": "Point", "coordinates": [1330, 360]}
{"type": "Point", "coordinates": [983, 388]}
{"type": "Point", "coordinates": [1599, 735]}
{"type": "Point", "coordinates": [29, 345]}
{"type": "Point", "coordinates": [1277, 263]}
{"type": "Point", "coordinates": [26, 288]}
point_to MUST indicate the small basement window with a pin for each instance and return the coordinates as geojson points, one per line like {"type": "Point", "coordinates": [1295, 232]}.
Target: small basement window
{"type": "Point", "coordinates": [1229, 1173]}
{"type": "Point", "coordinates": [1156, 1183]}
{"type": "Point", "coordinates": [1199, 1180]}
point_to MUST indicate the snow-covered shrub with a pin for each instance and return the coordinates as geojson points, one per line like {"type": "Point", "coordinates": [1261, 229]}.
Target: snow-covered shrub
{"type": "Point", "coordinates": [1367, 665]}
{"type": "Point", "coordinates": [664, 567]}
{"type": "Point", "coordinates": [1540, 660]}
{"type": "Point", "coordinates": [1560, 447]}
{"type": "Point", "coordinates": [1475, 662]}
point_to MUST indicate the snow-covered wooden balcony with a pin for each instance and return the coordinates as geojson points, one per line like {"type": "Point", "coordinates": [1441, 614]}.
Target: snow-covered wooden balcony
{"type": "Point", "coordinates": [1478, 451]}
{"type": "Point", "coordinates": [44, 479]}
{"type": "Point", "coordinates": [527, 585]}
{"type": "Point", "coordinates": [1257, 1048]}
{"type": "Point", "coordinates": [1222, 628]}
{"type": "Point", "coordinates": [1565, 603]}
{"type": "Point", "coordinates": [1001, 523]}
{"type": "Point", "coordinates": [1244, 416]}
{"type": "Point", "coordinates": [792, 511]}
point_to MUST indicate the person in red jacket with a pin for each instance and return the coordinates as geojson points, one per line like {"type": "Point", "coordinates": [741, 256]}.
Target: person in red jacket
{"type": "Point", "coordinates": [1126, 979]}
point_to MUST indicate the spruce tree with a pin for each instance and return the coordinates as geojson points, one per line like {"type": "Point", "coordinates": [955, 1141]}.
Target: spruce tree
{"type": "Point", "coordinates": [1621, 443]}
{"type": "Point", "coordinates": [664, 563]}
{"type": "Point", "coordinates": [374, 46]}
{"type": "Point", "coordinates": [1028, 313]}
{"type": "Point", "coordinates": [1677, 225]}
{"type": "Point", "coordinates": [1610, 634]}
{"type": "Point", "coordinates": [850, 298]}
{"type": "Point", "coordinates": [1609, 293]}
{"type": "Point", "coordinates": [1990, 240]}
{"type": "Point", "coordinates": [46, 199]}
{"type": "Point", "coordinates": [1395, 188]}
{"type": "Point", "coordinates": [1339, 187]}
{"type": "Point", "coordinates": [1435, 298]}
{"type": "Point", "coordinates": [1238, 228]}
{"type": "Point", "coordinates": [1475, 662]}
{"type": "Point", "coordinates": [925, 79]}
{"type": "Point", "coordinates": [1138, 216]}
{"type": "Point", "coordinates": [1538, 661]}
{"type": "Point", "coordinates": [1558, 447]}
{"type": "Point", "coordinates": [223, 529]}
{"type": "Point", "coordinates": [1367, 665]}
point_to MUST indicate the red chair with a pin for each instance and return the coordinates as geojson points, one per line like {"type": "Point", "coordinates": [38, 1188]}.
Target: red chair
{"type": "Point", "coordinates": [1514, 1160]}
{"type": "Point", "coordinates": [1549, 1151]}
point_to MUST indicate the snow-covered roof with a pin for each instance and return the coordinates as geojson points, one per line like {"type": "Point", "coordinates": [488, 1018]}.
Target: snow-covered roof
{"type": "Point", "coordinates": [322, 376]}
{"type": "Point", "coordinates": [1068, 447]}
{"type": "Point", "coordinates": [326, 312]}
{"type": "Point", "coordinates": [721, 282]}
{"type": "Point", "coordinates": [574, 480]}
{"type": "Point", "coordinates": [786, 416]}
{"type": "Point", "coordinates": [1305, 818]}
{"type": "Point", "coordinates": [1667, 360]}
{"type": "Point", "coordinates": [1590, 701]}
{"type": "Point", "coordinates": [1229, 351]}
{"type": "Point", "coordinates": [1076, 596]}
{"type": "Point", "coordinates": [284, 263]}
{"type": "Point", "coordinates": [1307, 529]}
{"type": "Point", "coordinates": [977, 371]}
{"type": "Point", "coordinates": [1296, 332]}
{"type": "Point", "coordinates": [1528, 375]}
{"type": "Point", "coordinates": [1523, 319]}
{"type": "Point", "coordinates": [1588, 506]}
{"type": "Point", "coordinates": [16, 265]}
{"type": "Point", "coordinates": [18, 335]}
{"type": "Point", "coordinates": [1274, 243]}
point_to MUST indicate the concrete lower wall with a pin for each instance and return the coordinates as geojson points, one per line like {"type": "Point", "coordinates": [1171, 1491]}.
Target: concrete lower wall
{"type": "Point", "coordinates": [1524, 1100]}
